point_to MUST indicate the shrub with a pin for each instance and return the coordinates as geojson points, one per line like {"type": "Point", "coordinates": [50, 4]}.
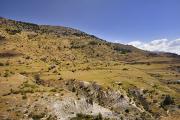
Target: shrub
{"type": "Point", "coordinates": [14, 92]}
{"type": "Point", "coordinates": [79, 34]}
{"type": "Point", "coordinates": [27, 57]}
{"type": "Point", "coordinates": [73, 89]}
{"type": "Point", "coordinates": [127, 111]}
{"type": "Point", "coordinates": [24, 96]}
{"type": "Point", "coordinates": [23, 73]}
{"type": "Point", "coordinates": [148, 63]}
{"type": "Point", "coordinates": [51, 67]}
{"type": "Point", "coordinates": [12, 31]}
{"type": "Point", "coordinates": [122, 96]}
{"type": "Point", "coordinates": [74, 70]}
{"type": "Point", "coordinates": [90, 101]}
{"type": "Point", "coordinates": [37, 79]}
{"type": "Point", "coordinates": [168, 100]}
{"type": "Point", "coordinates": [7, 64]}
{"type": "Point", "coordinates": [108, 43]}
{"type": "Point", "coordinates": [93, 43]}
{"type": "Point", "coordinates": [60, 78]}
{"type": "Point", "coordinates": [179, 106]}
{"type": "Point", "coordinates": [125, 69]}
{"type": "Point", "coordinates": [80, 116]}
{"type": "Point", "coordinates": [32, 35]}
{"type": "Point", "coordinates": [37, 116]}
{"type": "Point", "coordinates": [1, 64]}
{"type": "Point", "coordinates": [87, 68]}
{"type": "Point", "coordinates": [6, 74]}
{"type": "Point", "coordinates": [121, 50]}
{"type": "Point", "coordinates": [53, 90]}
{"type": "Point", "coordinates": [77, 45]}
{"type": "Point", "coordinates": [2, 37]}
{"type": "Point", "coordinates": [99, 117]}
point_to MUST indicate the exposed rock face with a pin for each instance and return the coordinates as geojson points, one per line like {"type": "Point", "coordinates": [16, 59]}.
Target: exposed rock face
{"type": "Point", "coordinates": [117, 101]}
{"type": "Point", "coordinates": [69, 107]}
{"type": "Point", "coordinates": [136, 93]}
{"type": "Point", "coordinates": [81, 98]}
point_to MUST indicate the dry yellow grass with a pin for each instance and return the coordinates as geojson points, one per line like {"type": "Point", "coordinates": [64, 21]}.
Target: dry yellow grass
{"type": "Point", "coordinates": [73, 57]}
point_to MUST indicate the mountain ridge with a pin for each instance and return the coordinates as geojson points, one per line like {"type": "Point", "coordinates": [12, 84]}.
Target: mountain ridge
{"type": "Point", "coordinates": [58, 30]}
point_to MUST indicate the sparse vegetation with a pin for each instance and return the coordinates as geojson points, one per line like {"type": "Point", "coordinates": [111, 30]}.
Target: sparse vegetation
{"type": "Point", "coordinates": [37, 116]}
{"type": "Point", "coordinates": [121, 50]}
{"type": "Point", "coordinates": [1, 64]}
{"type": "Point", "coordinates": [77, 45]}
{"type": "Point", "coordinates": [93, 43]}
{"type": "Point", "coordinates": [48, 57]}
{"type": "Point", "coordinates": [168, 100]}
{"type": "Point", "coordinates": [38, 79]}
{"type": "Point", "coordinates": [13, 31]}
{"type": "Point", "coordinates": [81, 116]}
{"type": "Point", "coordinates": [125, 69]}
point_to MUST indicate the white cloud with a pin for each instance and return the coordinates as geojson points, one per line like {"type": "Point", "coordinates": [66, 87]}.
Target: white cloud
{"type": "Point", "coordinates": [161, 45]}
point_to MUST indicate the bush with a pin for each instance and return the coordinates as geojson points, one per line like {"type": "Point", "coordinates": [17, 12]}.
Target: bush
{"type": "Point", "coordinates": [37, 77]}
{"type": "Point", "coordinates": [168, 100]}
{"type": "Point", "coordinates": [87, 68]}
{"type": "Point", "coordinates": [32, 35]}
{"type": "Point", "coordinates": [1, 64]}
{"type": "Point", "coordinates": [38, 80]}
{"type": "Point", "coordinates": [148, 63]}
{"type": "Point", "coordinates": [93, 43]}
{"type": "Point", "coordinates": [60, 78]}
{"type": "Point", "coordinates": [127, 111]}
{"type": "Point", "coordinates": [24, 96]}
{"type": "Point", "coordinates": [27, 57]}
{"type": "Point", "coordinates": [23, 73]}
{"type": "Point", "coordinates": [53, 90]}
{"type": "Point", "coordinates": [73, 89]}
{"type": "Point", "coordinates": [12, 31]}
{"type": "Point", "coordinates": [6, 74]}
{"type": "Point", "coordinates": [121, 50]}
{"type": "Point", "coordinates": [77, 45]}
{"type": "Point", "coordinates": [37, 116]}
{"type": "Point", "coordinates": [90, 101]}
{"type": "Point", "coordinates": [80, 116]}
{"type": "Point", "coordinates": [2, 37]}
{"type": "Point", "coordinates": [99, 117]}
{"type": "Point", "coordinates": [125, 69]}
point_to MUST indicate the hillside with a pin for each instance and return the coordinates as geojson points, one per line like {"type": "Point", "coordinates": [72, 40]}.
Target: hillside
{"type": "Point", "coordinates": [56, 72]}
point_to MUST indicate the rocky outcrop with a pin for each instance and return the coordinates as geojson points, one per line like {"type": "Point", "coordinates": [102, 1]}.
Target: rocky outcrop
{"type": "Point", "coordinates": [115, 100]}
{"type": "Point", "coordinates": [84, 99]}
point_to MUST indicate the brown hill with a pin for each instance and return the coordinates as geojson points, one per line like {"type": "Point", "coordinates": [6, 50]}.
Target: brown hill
{"type": "Point", "coordinates": [44, 66]}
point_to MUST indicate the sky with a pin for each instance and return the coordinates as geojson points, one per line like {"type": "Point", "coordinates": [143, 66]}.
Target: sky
{"type": "Point", "coordinates": [135, 22]}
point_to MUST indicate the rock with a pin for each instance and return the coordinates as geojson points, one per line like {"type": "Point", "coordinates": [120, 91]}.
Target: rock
{"type": "Point", "coordinates": [57, 94]}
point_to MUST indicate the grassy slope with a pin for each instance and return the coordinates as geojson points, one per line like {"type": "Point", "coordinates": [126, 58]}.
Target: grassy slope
{"type": "Point", "coordinates": [72, 54]}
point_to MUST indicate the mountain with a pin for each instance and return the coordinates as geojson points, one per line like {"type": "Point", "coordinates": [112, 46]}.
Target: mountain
{"type": "Point", "coordinates": [56, 72]}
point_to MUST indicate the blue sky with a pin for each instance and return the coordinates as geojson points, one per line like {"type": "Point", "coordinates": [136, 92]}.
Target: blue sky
{"type": "Point", "coordinates": [113, 20]}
